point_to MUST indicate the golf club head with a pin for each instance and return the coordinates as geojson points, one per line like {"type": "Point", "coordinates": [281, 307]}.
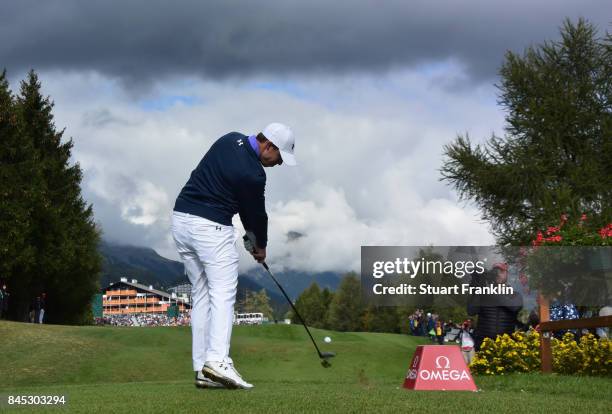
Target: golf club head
{"type": "Point", "coordinates": [324, 358]}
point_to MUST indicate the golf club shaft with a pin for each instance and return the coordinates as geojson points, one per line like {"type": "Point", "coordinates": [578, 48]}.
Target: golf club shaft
{"type": "Point", "coordinates": [293, 307]}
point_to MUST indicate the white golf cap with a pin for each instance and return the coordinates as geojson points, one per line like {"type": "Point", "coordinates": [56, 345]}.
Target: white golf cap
{"type": "Point", "coordinates": [282, 136]}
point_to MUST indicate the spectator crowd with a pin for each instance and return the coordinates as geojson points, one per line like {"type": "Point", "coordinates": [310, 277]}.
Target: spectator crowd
{"type": "Point", "coordinates": [144, 319]}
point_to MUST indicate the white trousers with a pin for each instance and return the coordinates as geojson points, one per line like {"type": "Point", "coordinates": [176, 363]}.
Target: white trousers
{"type": "Point", "coordinates": [208, 251]}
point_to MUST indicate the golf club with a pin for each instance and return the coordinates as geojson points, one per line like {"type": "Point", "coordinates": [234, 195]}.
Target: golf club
{"type": "Point", "coordinates": [250, 238]}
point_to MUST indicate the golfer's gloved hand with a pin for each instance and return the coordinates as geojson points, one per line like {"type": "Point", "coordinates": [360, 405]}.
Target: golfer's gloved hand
{"type": "Point", "coordinates": [249, 244]}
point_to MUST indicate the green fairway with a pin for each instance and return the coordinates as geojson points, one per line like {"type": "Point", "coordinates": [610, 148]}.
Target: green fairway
{"type": "Point", "coordinates": [104, 369]}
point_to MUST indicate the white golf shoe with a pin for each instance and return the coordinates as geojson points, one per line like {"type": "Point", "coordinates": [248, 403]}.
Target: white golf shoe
{"type": "Point", "coordinates": [202, 382]}
{"type": "Point", "coordinates": [225, 373]}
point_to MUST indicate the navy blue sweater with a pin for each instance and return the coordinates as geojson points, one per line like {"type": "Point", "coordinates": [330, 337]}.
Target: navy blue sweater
{"type": "Point", "coordinates": [228, 180]}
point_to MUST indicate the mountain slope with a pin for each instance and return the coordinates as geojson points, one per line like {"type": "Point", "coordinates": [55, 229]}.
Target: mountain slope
{"type": "Point", "coordinates": [141, 263]}
{"type": "Point", "coordinates": [149, 268]}
{"type": "Point", "coordinates": [294, 281]}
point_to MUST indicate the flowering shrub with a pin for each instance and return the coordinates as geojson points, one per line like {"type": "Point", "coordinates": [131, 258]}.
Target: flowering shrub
{"type": "Point", "coordinates": [590, 356]}
{"type": "Point", "coordinates": [577, 233]}
{"type": "Point", "coordinates": [520, 352]}
{"type": "Point", "coordinates": [553, 267]}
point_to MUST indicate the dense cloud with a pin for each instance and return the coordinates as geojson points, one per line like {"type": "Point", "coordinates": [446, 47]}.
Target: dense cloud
{"type": "Point", "coordinates": [372, 89]}
{"type": "Point", "coordinates": [141, 41]}
{"type": "Point", "coordinates": [368, 158]}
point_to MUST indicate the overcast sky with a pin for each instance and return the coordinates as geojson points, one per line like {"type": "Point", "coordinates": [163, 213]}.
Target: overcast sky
{"type": "Point", "coordinates": [372, 89]}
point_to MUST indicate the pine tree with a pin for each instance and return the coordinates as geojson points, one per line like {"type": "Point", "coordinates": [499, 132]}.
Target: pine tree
{"type": "Point", "coordinates": [64, 237]}
{"type": "Point", "coordinates": [257, 302]}
{"type": "Point", "coordinates": [346, 309]}
{"type": "Point", "coordinates": [311, 307]}
{"type": "Point", "coordinates": [246, 305]}
{"type": "Point", "coordinates": [556, 157]}
{"type": "Point", "coordinates": [20, 178]}
{"type": "Point", "coordinates": [403, 318]}
{"type": "Point", "coordinates": [380, 319]}
{"type": "Point", "coordinates": [327, 296]}
{"type": "Point", "coordinates": [263, 302]}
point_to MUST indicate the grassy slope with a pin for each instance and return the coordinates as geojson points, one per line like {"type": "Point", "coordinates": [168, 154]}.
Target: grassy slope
{"type": "Point", "coordinates": [106, 369]}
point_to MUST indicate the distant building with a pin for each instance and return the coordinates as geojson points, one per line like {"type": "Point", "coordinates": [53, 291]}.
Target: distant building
{"type": "Point", "coordinates": [183, 291]}
{"type": "Point", "coordinates": [125, 297]}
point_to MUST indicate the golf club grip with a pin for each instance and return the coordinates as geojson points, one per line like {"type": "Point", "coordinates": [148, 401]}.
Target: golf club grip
{"type": "Point", "coordinates": [293, 307]}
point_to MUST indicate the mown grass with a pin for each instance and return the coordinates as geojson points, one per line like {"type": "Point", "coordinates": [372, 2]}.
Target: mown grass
{"type": "Point", "coordinates": [104, 369]}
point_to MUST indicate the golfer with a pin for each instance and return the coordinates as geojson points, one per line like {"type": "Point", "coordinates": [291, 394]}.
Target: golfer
{"type": "Point", "coordinates": [229, 179]}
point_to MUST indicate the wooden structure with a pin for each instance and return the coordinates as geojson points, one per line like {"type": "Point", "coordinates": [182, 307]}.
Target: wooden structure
{"type": "Point", "coordinates": [547, 327]}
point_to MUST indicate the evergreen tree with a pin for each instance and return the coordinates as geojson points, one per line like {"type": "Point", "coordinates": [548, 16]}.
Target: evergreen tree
{"type": "Point", "coordinates": [380, 319]}
{"type": "Point", "coordinates": [327, 296]}
{"type": "Point", "coordinates": [263, 301]}
{"type": "Point", "coordinates": [61, 238]}
{"type": "Point", "coordinates": [346, 309]}
{"type": "Point", "coordinates": [20, 180]}
{"type": "Point", "coordinates": [258, 302]}
{"type": "Point", "coordinates": [311, 307]}
{"type": "Point", "coordinates": [403, 318]}
{"type": "Point", "coordinates": [556, 156]}
{"type": "Point", "coordinates": [248, 305]}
